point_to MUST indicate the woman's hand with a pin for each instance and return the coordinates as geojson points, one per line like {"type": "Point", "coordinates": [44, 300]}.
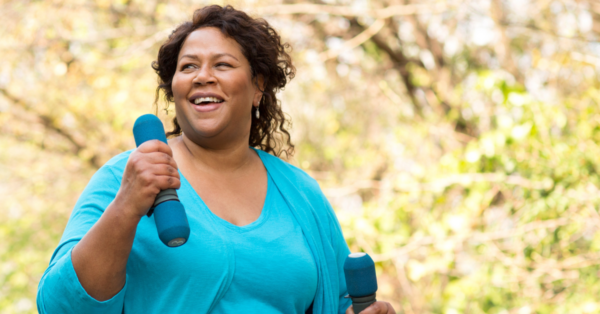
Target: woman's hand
{"type": "Point", "coordinates": [149, 170]}
{"type": "Point", "coordinates": [378, 307]}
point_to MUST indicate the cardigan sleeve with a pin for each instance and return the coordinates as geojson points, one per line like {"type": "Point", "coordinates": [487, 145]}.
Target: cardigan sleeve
{"type": "Point", "coordinates": [59, 290]}
{"type": "Point", "coordinates": [341, 251]}
{"type": "Point", "coordinates": [340, 248]}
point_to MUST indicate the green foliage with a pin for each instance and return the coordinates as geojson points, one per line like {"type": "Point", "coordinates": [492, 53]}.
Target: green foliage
{"type": "Point", "coordinates": [465, 165]}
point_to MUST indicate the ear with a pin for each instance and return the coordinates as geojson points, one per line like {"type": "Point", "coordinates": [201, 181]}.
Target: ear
{"type": "Point", "coordinates": [259, 85]}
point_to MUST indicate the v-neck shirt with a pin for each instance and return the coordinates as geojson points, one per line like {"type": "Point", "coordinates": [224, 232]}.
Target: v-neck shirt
{"type": "Point", "coordinates": [274, 268]}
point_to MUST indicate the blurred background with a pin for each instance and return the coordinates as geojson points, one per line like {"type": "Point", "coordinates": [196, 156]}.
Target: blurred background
{"type": "Point", "coordinates": [458, 141]}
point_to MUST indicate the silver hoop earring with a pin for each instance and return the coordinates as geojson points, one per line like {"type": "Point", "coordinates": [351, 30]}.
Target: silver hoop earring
{"type": "Point", "coordinates": [257, 114]}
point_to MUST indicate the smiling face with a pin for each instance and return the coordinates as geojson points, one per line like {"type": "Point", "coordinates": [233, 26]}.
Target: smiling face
{"type": "Point", "coordinates": [213, 89]}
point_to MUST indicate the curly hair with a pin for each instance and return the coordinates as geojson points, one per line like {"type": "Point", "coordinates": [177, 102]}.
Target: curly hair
{"type": "Point", "coordinates": [267, 56]}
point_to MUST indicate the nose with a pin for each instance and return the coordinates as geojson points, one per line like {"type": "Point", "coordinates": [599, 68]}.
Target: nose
{"type": "Point", "coordinates": [204, 76]}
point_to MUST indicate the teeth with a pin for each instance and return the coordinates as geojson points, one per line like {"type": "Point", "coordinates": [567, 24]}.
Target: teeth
{"type": "Point", "coordinates": [206, 99]}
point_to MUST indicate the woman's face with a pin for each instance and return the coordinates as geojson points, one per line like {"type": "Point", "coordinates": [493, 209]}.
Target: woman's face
{"type": "Point", "coordinates": [213, 88]}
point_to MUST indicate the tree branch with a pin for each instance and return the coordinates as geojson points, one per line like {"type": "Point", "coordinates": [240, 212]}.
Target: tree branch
{"type": "Point", "coordinates": [50, 124]}
{"type": "Point", "coordinates": [394, 10]}
{"type": "Point", "coordinates": [356, 41]}
{"type": "Point", "coordinates": [400, 62]}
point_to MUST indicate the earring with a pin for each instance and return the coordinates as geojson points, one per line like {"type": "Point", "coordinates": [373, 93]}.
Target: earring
{"type": "Point", "coordinates": [257, 114]}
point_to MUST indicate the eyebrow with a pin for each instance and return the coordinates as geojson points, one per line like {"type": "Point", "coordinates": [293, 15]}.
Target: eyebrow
{"type": "Point", "coordinates": [218, 55]}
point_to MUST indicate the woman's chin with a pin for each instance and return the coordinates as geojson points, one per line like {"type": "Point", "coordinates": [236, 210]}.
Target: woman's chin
{"type": "Point", "coordinates": [202, 134]}
{"type": "Point", "coordinates": [204, 131]}
{"type": "Point", "coordinates": [207, 127]}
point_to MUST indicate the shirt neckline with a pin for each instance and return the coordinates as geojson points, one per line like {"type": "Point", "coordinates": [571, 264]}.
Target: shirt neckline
{"type": "Point", "coordinates": [245, 228]}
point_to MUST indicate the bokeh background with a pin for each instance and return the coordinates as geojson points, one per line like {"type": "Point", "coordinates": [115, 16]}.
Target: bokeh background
{"type": "Point", "coordinates": [458, 141]}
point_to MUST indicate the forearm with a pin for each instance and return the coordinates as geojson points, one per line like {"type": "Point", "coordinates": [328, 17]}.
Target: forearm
{"type": "Point", "coordinates": [100, 258]}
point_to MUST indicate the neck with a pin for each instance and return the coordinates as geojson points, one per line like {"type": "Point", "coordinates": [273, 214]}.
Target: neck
{"type": "Point", "coordinates": [220, 159]}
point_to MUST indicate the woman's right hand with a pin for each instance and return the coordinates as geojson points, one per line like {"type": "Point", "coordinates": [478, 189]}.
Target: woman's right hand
{"type": "Point", "coordinates": [100, 258]}
{"type": "Point", "coordinates": [149, 170]}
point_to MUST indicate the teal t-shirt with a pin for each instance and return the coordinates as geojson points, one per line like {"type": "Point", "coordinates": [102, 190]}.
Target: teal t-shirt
{"type": "Point", "coordinates": [275, 271]}
{"type": "Point", "coordinates": [264, 267]}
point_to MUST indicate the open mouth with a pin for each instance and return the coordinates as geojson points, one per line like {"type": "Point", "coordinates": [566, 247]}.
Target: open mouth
{"type": "Point", "coordinates": [206, 104]}
{"type": "Point", "coordinates": [206, 100]}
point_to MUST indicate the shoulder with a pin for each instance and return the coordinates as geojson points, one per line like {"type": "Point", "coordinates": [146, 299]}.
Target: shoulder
{"type": "Point", "coordinates": [297, 180]}
{"type": "Point", "coordinates": [119, 161]}
{"type": "Point", "coordinates": [111, 172]}
{"type": "Point", "coordinates": [295, 174]}
{"type": "Point", "coordinates": [117, 164]}
{"type": "Point", "coordinates": [103, 185]}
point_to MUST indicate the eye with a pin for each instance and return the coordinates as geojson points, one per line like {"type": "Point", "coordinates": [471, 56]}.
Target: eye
{"type": "Point", "coordinates": [187, 66]}
{"type": "Point", "coordinates": [220, 64]}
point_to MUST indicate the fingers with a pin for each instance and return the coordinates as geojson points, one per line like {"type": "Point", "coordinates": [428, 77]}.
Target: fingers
{"type": "Point", "coordinates": [378, 307]}
{"type": "Point", "coordinates": [157, 163]}
{"type": "Point", "coordinates": [154, 167]}
{"type": "Point", "coordinates": [141, 160]}
{"type": "Point", "coordinates": [149, 170]}
{"type": "Point", "coordinates": [167, 182]}
{"type": "Point", "coordinates": [390, 309]}
{"type": "Point", "coordinates": [155, 146]}
{"type": "Point", "coordinates": [153, 153]}
{"type": "Point", "coordinates": [160, 176]}
{"type": "Point", "coordinates": [158, 159]}
{"type": "Point", "coordinates": [165, 170]}
{"type": "Point", "coordinates": [350, 310]}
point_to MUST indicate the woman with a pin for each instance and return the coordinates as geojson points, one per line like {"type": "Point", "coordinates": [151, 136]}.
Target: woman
{"type": "Point", "coordinates": [263, 237]}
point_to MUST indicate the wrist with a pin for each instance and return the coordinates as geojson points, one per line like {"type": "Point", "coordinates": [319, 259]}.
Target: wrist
{"type": "Point", "coordinates": [125, 211]}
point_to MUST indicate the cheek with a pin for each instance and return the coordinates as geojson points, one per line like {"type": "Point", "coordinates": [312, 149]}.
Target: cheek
{"type": "Point", "coordinates": [248, 93]}
{"type": "Point", "coordinates": [241, 83]}
{"type": "Point", "coordinates": [178, 85]}
{"type": "Point", "coordinates": [175, 84]}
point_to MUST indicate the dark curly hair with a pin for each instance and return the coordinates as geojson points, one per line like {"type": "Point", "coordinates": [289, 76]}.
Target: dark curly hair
{"type": "Point", "coordinates": [267, 56]}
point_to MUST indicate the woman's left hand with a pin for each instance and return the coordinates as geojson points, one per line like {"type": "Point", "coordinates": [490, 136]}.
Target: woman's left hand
{"type": "Point", "coordinates": [378, 307]}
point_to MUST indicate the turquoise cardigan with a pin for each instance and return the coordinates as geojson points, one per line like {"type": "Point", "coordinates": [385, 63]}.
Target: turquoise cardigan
{"type": "Point", "coordinates": [321, 229]}
{"type": "Point", "coordinates": [161, 279]}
